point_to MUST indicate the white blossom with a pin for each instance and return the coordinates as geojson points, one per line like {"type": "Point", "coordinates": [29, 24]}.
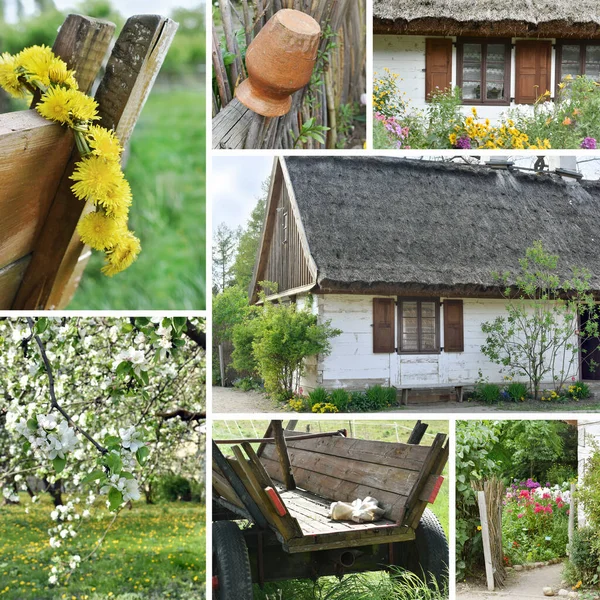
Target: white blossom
{"type": "Point", "coordinates": [130, 438]}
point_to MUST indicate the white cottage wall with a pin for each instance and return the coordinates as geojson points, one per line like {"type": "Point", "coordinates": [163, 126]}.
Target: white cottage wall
{"type": "Point", "coordinates": [405, 56]}
{"type": "Point", "coordinates": [353, 365]}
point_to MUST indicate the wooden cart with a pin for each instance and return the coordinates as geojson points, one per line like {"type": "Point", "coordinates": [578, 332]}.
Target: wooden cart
{"type": "Point", "coordinates": [284, 491]}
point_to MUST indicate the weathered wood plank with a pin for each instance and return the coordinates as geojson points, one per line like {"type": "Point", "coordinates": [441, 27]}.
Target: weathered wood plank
{"type": "Point", "coordinates": [33, 154]}
{"type": "Point", "coordinates": [10, 280]}
{"type": "Point", "coordinates": [130, 74]}
{"type": "Point", "coordinates": [230, 127]}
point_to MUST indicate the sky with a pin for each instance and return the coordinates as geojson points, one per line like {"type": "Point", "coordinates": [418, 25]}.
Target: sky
{"type": "Point", "coordinates": [236, 185]}
{"type": "Point", "coordinates": [126, 7]}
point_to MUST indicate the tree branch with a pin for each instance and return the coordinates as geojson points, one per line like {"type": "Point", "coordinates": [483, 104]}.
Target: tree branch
{"type": "Point", "coordinates": [197, 336]}
{"type": "Point", "coordinates": [183, 414]}
{"type": "Point", "coordinates": [53, 400]}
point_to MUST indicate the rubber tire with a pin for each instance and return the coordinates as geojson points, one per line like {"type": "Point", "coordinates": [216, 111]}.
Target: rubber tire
{"type": "Point", "coordinates": [432, 551]}
{"type": "Point", "coordinates": [231, 563]}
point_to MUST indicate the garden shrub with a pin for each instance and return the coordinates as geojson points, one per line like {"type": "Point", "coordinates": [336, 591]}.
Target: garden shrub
{"type": "Point", "coordinates": [535, 522]}
{"type": "Point", "coordinates": [583, 556]}
{"type": "Point", "coordinates": [318, 396]}
{"type": "Point", "coordinates": [380, 397]}
{"type": "Point", "coordinates": [246, 384]}
{"type": "Point", "coordinates": [340, 399]}
{"type": "Point", "coordinates": [487, 392]}
{"type": "Point", "coordinates": [174, 487]}
{"type": "Point", "coordinates": [517, 391]}
{"type": "Point", "coordinates": [561, 473]}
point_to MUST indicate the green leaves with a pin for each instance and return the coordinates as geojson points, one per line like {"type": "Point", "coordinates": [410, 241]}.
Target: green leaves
{"type": "Point", "coordinates": [93, 476]}
{"type": "Point", "coordinates": [310, 130]}
{"type": "Point", "coordinates": [32, 424]}
{"type": "Point", "coordinates": [115, 498]}
{"type": "Point", "coordinates": [142, 455]}
{"type": "Point", "coordinates": [40, 325]}
{"type": "Point", "coordinates": [59, 464]}
{"type": "Point", "coordinates": [114, 462]}
{"type": "Point", "coordinates": [124, 368]}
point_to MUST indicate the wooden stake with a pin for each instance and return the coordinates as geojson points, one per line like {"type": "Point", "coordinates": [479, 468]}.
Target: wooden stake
{"type": "Point", "coordinates": [485, 536]}
{"type": "Point", "coordinates": [284, 458]}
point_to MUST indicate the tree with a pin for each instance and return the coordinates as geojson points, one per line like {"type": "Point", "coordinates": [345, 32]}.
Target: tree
{"type": "Point", "coordinates": [274, 341]}
{"type": "Point", "coordinates": [224, 246]}
{"type": "Point", "coordinates": [541, 334]}
{"type": "Point", "coordinates": [245, 259]}
{"type": "Point", "coordinates": [98, 407]}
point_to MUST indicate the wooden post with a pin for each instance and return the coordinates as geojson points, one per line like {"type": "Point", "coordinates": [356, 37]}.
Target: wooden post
{"type": "Point", "coordinates": [485, 536]}
{"type": "Point", "coordinates": [417, 433]}
{"type": "Point", "coordinates": [284, 459]}
{"type": "Point", "coordinates": [55, 268]}
{"type": "Point", "coordinates": [221, 365]}
{"type": "Point", "coordinates": [572, 514]}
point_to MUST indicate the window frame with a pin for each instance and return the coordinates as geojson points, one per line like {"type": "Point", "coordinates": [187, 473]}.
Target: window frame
{"type": "Point", "coordinates": [507, 42]}
{"type": "Point", "coordinates": [583, 45]}
{"type": "Point", "coordinates": [399, 306]}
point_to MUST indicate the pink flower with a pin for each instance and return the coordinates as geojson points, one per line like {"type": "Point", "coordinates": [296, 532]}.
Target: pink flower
{"type": "Point", "coordinates": [558, 499]}
{"type": "Point", "coordinates": [549, 510]}
{"type": "Point", "coordinates": [524, 494]}
{"type": "Point", "coordinates": [520, 516]}
{"type": "Point", "coordinates": [546, 496]}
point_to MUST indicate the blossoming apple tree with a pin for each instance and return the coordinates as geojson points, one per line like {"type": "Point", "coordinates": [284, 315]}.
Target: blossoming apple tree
{"type": "Point", "coordinates": [97, 407]}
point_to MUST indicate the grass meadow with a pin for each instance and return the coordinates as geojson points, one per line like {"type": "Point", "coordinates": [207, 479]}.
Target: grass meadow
{"type": "Point", "coordinates": [152, 552]}
{"type": "Point", "coordinates": [363, 586]}
{"type": "Point", "coordinates": [166, 170]}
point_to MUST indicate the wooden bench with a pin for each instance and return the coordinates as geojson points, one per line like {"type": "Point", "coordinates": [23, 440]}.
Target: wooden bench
{"type": "Point", "coordinates": [405, 389]}
{"type": "Point", "coordinates": [41, 256]}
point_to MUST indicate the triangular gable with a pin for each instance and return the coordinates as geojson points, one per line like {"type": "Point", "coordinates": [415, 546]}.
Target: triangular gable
{"type": "Point", "coordinates": [284, 255]}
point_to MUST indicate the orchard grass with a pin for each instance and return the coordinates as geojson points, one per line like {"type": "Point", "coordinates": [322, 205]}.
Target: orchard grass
{"type": "Point", "coordinates": [166, 171]}
{"type": "Point", "coordinates": [382, 431]}
{"type": "Point", "coordinates": [152, 551]}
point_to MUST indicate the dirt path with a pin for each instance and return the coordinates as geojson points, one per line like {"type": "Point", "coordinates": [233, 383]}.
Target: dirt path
{"type": "Point", "coordinates": [232, 400]}
{"type": "Point", "coordinates": [522, 585]}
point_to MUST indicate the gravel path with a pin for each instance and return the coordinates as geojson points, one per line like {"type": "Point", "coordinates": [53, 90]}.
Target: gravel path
{"type": "Point", "coordinates": [232, 400]}
{"type": "Point", "coordinates": [522, 585]}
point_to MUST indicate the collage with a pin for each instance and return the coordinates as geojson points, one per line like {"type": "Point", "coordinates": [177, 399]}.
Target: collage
{"type": "Point", "coordinates": [299, 299]}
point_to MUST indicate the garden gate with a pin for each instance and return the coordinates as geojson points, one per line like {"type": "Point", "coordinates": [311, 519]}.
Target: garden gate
{"type": "Point", "coordinates": [42, 258]}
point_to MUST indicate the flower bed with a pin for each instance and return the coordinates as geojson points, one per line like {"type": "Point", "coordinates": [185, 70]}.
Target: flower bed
{"type": "Point", "coordinates": [535, 522]}
{"type": "Point", "coordinates": [571, 121]}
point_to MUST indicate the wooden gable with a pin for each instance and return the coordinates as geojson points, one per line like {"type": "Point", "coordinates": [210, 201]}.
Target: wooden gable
{"type": "Point", "coordinates": [284, 256]}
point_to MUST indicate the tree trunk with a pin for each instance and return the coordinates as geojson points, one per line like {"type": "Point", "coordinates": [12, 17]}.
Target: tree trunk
{"type": "Point", "coordinates": [148, 494]}
{"type": "Point", "coordinates": [55, 491]}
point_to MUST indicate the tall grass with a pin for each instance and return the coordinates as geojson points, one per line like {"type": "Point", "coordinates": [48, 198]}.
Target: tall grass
{"type": "Point", "coordinates": [166, 170]}
{"type": "Point", "coordinates": [397, 585]}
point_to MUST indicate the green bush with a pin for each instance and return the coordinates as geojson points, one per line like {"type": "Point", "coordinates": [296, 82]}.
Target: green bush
{"type": "Point", "coordinates": [561, 473]}
{"type": "Point", "coordinates": [487, 392]}
{"type": "Point", "coordinates": [173, 488]}
{"type": "Point", "coordinates": [340, 399]}
{"type": "Point", "coordinates": [517, 391]}
{"type": "Point", "coordinates": [318, 396]}
{"type": "Point", "coordinates": [246, 384]}
{"type": "Point", "coordinates": [579, 391]}
{"type": "Point", "coordinates": [583, 556]}
{"type": "Point", "coordinates": [380, 397]}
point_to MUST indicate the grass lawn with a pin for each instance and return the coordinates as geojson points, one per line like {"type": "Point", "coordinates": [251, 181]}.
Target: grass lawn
{"type": "Point", "coordinates": [166, 170]}
{"type": "Point", "coordinates": [151, 552]}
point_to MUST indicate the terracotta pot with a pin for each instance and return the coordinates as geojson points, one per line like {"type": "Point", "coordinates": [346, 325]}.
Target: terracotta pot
{"type": "Point", "coordinates": [280, 61]}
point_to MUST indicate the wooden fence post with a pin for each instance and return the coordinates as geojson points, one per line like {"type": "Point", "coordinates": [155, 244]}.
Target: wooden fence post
{"type": "Point", "coordinates": [53, 273]}
{"type": "Point", "coordinates": [485, 536]}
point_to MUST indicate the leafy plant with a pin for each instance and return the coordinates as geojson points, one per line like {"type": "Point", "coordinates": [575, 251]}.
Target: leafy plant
{"type": "Point", "coordinates": [380, 397]}
{"type": "Point", "coordinates": [309, 129]}
{"type": "Point", "coordinates": [584, 556]}
{"type": "Point", "coordinates": [340, 399]}
{"type": "Point", "coordinates": [517, 391]}
{"type": "Point", "coordinates": [317, 396]}
{"type": "Point", "coordinates": [487, 392]}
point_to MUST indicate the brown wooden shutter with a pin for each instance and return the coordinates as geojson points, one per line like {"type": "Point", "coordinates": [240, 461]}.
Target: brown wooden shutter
{"type": "Point", "coordinates": [383, 325]}
{"type": "Point", "coordinates": [532, 70]}
{"type": "Point", "coordinates": [454, 337]}
{"type": "Point", "coordinates": [438, 64]}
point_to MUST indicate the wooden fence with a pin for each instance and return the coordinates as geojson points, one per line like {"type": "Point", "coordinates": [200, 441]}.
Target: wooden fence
{"type": "Point", "coordinates": [338, 80]}
{"type": "Point", "coordinates": [42, 258]}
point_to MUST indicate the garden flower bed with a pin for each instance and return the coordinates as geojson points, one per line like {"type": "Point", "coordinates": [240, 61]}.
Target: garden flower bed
{"type": "Point", "coordinates": [535, 522]}
{"type": "Point", "coordinates": [571, 121]}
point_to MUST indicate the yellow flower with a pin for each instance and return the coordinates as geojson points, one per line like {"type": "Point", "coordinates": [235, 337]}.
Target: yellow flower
{"type": "Point", "coordinates": [117, 199]}
{"type": "Point", "coordinates": [104, 142]}
{"type": "Point", "coordinates": [122, 255]}
{"type": "Point", "coordinates": [36, 61]}
{"type": "Point", "coordinates": [474, 111]}
{"type": "Point", "coordinates": [96, 179]}
{"type": "Point", "coordinates": [59, 74]}
{"type": "Point", "coordinates": [83, 108]}
{"type": "Point", "coordinates": [478, 527]}
{"type": "Point", "coordinates": [452, 138]}
{"type": "Point", "coordinates": [99, 231]}
{"type": "Point", "coordinates": [9, 78]}
{"type": "Point", "coordinates": [55, 105]}
{"type": "Point", "coordinates": [469, 121]}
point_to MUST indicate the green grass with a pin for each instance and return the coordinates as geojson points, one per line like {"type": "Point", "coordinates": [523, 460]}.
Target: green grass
{"type": "Point", "coordinates": [166, 170]}
{"type": "Point", "coordinates": [152, 552]}
{"type": "Point", "coordinates": [383, 431]}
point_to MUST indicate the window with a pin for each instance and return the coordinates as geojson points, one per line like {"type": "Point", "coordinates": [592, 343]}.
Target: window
{"type": "Point", "coordinates": [578, 58]}
{"type": "Point", "coordinates": [418, 325]}
{"type": "Point", "coordinates": [484, 71]}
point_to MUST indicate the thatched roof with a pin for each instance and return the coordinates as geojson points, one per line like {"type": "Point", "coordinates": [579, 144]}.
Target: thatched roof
{"type": "Point", "coordinates": [550, 18]}
{"type": "Point", "coordinates": [391, 225]}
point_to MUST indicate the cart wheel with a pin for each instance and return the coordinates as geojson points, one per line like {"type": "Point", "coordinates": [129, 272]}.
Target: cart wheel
{"type": "Point", "coordinates": [432, 551]}
{"type": "Point", "coordinates": [232, 577]}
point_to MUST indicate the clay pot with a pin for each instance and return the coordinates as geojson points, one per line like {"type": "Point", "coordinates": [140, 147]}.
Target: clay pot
{"type": "Point", "coordinates": [280, 61]}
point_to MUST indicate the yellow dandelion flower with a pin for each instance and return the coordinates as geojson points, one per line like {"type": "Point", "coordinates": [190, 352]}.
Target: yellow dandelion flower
{"type": "Point", "coordinates": [117, 199]}
{"type": "Point", "coordinates": [83, 108]}
{"type": "Point", "coordinates": [36, 61]}
{"type": "Point", "coordinates": [104, 142]}
{"type": "Point", "coordinates": [59, 74]}
{"type": "Point", "coordinates": [55, 105]}
{"type": "Point", "coordinates": [122, 255]}
{"type": "Point", "coordinates": [96, 179]}
{"type": "Point", "coordinates": [100, 231]}
{"type": "Point", "coordinates": [9, 78]}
